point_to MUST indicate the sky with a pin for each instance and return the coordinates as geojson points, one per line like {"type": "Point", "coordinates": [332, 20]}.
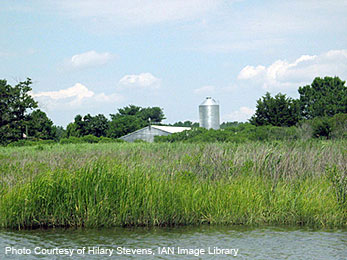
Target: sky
{"type": "Point", "coordinates": [96, 56]}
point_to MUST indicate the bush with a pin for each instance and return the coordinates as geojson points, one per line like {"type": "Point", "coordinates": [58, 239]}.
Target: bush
{"type": "Point", "coordinates": [304, 130]}
{"type": "Point", "coordinates": [70, 140]}
{"type": "Point", "coordinates": [22, 142]}
{"type": "Point", "coordinates": [321, 127]}
{"type": "Point", "coordinates": [339, 126]}
{"type": "Point", "coordinates": [89, 139]}
{"type": "Point", "coordinates": [236, 134]}
{"type": "Point", "coordinates": [28, 142]}
{"type": "Point", "coordinates": [103, 139]}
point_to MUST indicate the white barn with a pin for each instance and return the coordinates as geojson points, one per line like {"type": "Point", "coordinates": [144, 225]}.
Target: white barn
{"type": "Point", "coordinates": [147, 133]}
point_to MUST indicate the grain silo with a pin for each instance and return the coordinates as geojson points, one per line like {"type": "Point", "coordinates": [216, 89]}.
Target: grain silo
{"type": "Point", "coordinates": [209, 114]}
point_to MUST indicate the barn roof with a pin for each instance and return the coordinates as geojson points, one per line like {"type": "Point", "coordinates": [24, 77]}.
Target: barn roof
{"type": "Point", "coordinates": [171, 129]}
{"type": "Point", "coordinates": [164, 128]}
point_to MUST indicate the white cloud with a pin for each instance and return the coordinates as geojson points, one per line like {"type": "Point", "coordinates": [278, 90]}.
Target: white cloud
{"type": "Point", "coordinates": [205, 90]}
{"type": "Point", "coordinates": [250, 72]}
{"type": "Point", "coordinates": [283, 74]}
{"type": "Point", "coordinates": [241, 115]}
{"type": "Point", "coordinates": [142, 80]}
{"type": "Point", "coordinates": [78, 91]}
{"type": "Point", "coordinates": [102, 97]}
{"type": "Point", "coordinates": [73, 97]}
{"type": "Point", "coordinates": [89, 59]}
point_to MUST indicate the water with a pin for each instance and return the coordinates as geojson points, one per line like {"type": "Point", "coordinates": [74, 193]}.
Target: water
{"type": "Point", "coordinates": [238, 242]}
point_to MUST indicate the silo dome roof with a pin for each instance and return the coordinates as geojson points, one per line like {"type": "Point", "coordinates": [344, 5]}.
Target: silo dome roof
{"type": "Point", "coordinates": [209, 102]}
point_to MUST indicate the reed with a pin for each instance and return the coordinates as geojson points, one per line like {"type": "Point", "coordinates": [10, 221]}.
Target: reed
{"type": "Point", "coordinates": [93, 185]}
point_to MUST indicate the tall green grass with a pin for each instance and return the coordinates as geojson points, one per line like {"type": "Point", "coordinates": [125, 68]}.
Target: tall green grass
{"type": "Point", "coordinates": [95, 185]}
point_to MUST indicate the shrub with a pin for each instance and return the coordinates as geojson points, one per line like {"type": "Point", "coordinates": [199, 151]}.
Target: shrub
{"type": "Point", "coordinates": [103, 139]}
{"type": "Point", "coordinates": [321, 127]}
{"type": "Point", "coordinates": [89, 139]}
{"type": "Point", "coordinates": [237, 134]}
{"type": "Point", "coordinates": [28, 142]}
{"type": "Point", "coordinates": [339, 126]}
{"type": "Point", "coordinates": [70, 140]}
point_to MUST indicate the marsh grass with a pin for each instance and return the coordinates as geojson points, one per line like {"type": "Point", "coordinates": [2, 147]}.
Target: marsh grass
{"type": "Point", "coordinates": [95, 185]}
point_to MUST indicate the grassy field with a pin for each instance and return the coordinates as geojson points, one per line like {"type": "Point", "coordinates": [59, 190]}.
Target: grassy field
{"type": "Point", "coordinates": [121, 184]}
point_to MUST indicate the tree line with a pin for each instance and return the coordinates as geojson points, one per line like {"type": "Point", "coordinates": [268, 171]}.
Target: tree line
{"type": "Point", "coordinates": [20, 118]}
{"type": "Point", "coordinates": [322, 107]}
{"type": "Point", "coordinates": [319, 112]}
{"type": "Point", "coordinates": [126, 120]}
{"type": "Point", "coordinates": [325, 97]}
{"type": "Point", "coordinates": [320, 127]}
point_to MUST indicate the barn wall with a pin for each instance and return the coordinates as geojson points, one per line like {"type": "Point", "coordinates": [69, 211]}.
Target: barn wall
{"type": "Point", "coordinates": [145, 134]}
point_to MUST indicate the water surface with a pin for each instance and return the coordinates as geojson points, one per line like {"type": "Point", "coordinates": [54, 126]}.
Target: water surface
{"type": "Point", "coordinates": [203, 242]}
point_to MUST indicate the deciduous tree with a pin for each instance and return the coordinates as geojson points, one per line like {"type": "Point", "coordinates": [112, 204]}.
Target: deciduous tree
{"type": "Point", "coordinates": [324, 97]}
{"type": "Point", "coordinates": [132, 118]}
{"type": "Point", "coordinates": [38, 125]}
{"type": "Point", "coordinates": [277, 111]}
{"type": "Point", "coordinates": [14, 104]}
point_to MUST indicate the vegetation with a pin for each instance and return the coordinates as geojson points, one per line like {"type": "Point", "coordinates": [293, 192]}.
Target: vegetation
{"type": "Point", "coordinates": [19, 120]}
{"type": "Point", "coordinates": [323, 98]}
{"type": "Point", "coordinates": [277, 111]}
{"type": "Point", "coordinates": [186, 124]}
{"type": "Point", "coordinates": [132, 118]}
{"type": "Point", "coordinates": [288, 166]}
{"type": "Point", "coordinates": [14, 103]}
{"type": "Point", "coordinates": [71, 140]}
{"type": "Point", "coordinates": [128, 119]}
{"type": "Point", "coordinates": [39, 126]}
{"type": "Point", "coordinates": [320, 127]}
{"type": "Point", "coordinates": [319, 112]}
{"type": "Point", "coordinates": [88, 125]}
{"type": "Point", "coordinates": [93, 185]}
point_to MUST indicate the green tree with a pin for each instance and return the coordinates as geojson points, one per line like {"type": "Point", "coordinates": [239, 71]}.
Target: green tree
{"type": "Point", "coordinates": [95, 125]}
{"type": "Point", "coordinates": [130, 110]}
{"type": "Point", "coordinates": [60, 132]}
{"type": "Point", "coordinates": [321, 127]}
{"type": "Point", "coordinates": [71, 130]}
{"type": "Point", "coordinates": [88, 125]}
{"type": "Point", "coordinates": [122, 125]}
{"type": "Point", "coordinates": [14, 103]}
{"type": "Point", "coordinates": [132, 118]}
{"type": "Point", "coordinates": [80, 126]}
{"type": "Point", "coordinates": [229, 124]}
{"type": "Point", "coordinates": [277, 111]}
{"type": "Point", "coordinates": [339, 126]}
{"type": "Point", "coordinates": [154, 113]}
{"type": "Point", "coordinates": [324, 97]}
{"type": "Point", "coordinates": [186, 124]}
{"type": "Point", "coordinates": [38, 125]}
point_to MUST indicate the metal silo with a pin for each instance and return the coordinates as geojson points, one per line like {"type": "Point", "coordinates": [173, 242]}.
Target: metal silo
{"type": "Point", "coordinates": [209, 114]}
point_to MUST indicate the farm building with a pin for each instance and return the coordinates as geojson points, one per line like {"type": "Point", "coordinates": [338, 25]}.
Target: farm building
{"type": "Point", "coordinates": [147, 133]}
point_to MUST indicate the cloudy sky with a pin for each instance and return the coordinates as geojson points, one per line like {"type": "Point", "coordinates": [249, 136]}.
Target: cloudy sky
{"type": "Point", "coordinates": [95, 56]}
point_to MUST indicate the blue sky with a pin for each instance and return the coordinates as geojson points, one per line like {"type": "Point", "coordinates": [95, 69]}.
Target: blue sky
{"type": "Point", "coordinates": [92, 56]}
